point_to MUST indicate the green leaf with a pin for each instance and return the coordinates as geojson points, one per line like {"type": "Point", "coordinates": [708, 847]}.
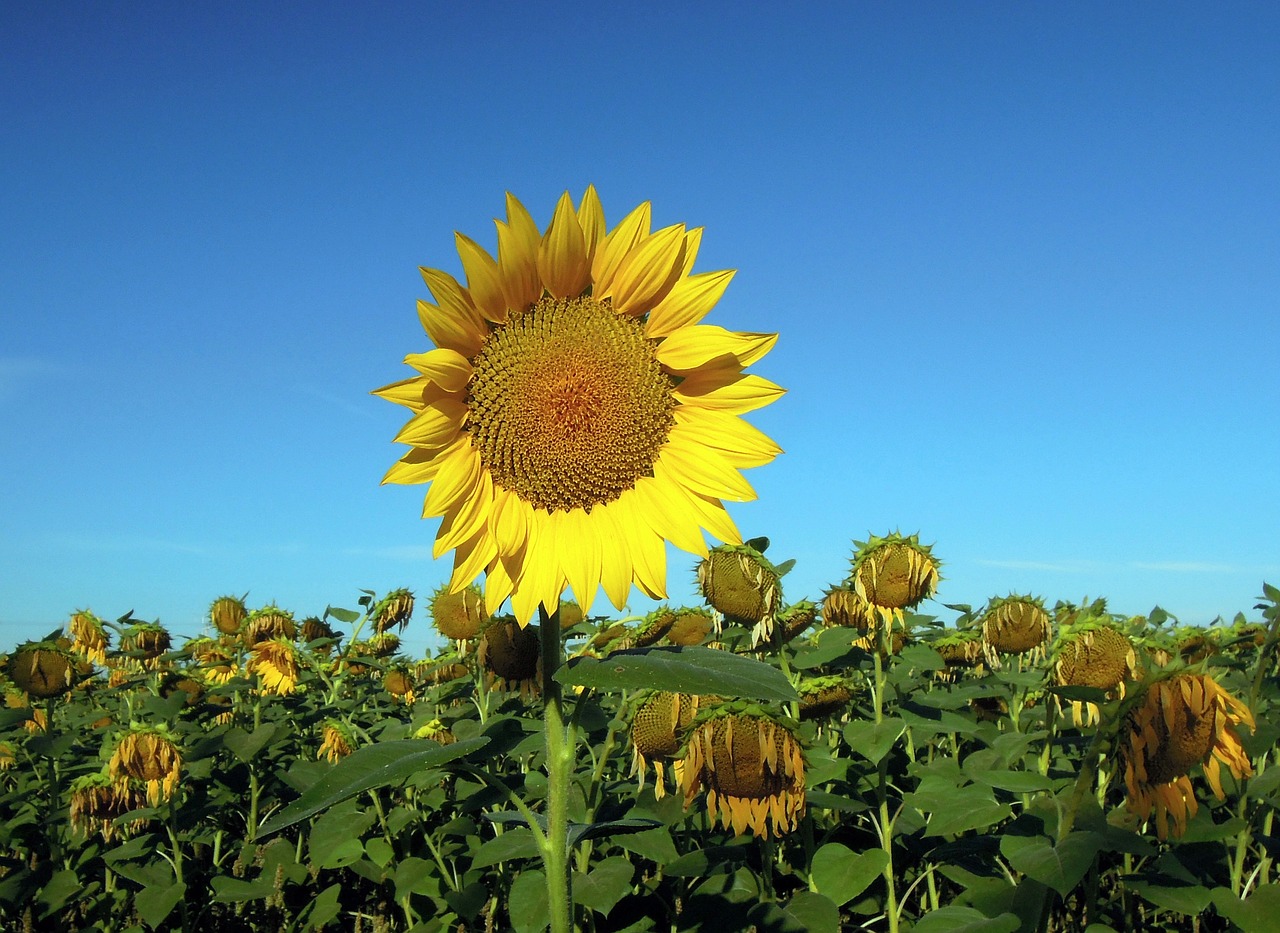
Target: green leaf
{"type": "Point", "coordinates": [366, 768]}
{"type": "Point", "coordinates": [873, 740]}
{"type": "Point", "coordinates": [1018, 782]}
{"type": "Point", "coordinates": [245, 745]}
{"type": "Point", "coordinates": [955, 919]}
{"type": "Point", "coordinates": [693, 670]}
{"type": "Point", "coordinates": [513, 844]}
{"type": "Point", "coordinates": [1188, 899]}
{"type": "Point", "coordinates": [655, 845]}
{"type": "Point", "coordinates": [826, 801]}
{"type": "Point", "coordinates": [11, 717]}
{"type": "Point", "coordinates": [705, 861]}
{"type": "Point", "coordinates": [842, 874]}
{"type": "Point", "coordinates": [1059, 866]}
{"type": "Point", "coordinates": [579, 831]}
{"type": "Point", "coordinates": [155, 903]}
{"type": "Point", "coordinates": [232, 890]}
{"type": "Point", "coordinates": [604, 884]}
{"type": "Point", "coordinates": [335, 837]}
{"type": "Point", "coordinates": [805, 912]}
{"type": "Point", "coordinates": [921, 657]}
{"type": "Point", "coordinates": [468, 902]}
{"type": "Point", "coordinates": [413, 876]}
{"type": "Point", "coordinates": [527, 903]}
{"type": "Point", "coordinates": [58, 889]}
{"type": "Point", "coordinates": [1257, 914]}
{"type": "Point", "coordinates": [324, 909]}
{"type": "Point", "coordinates": [342, 615]}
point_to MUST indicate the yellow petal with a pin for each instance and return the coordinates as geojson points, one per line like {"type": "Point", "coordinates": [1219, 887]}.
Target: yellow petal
{"type": "Point", "coordinates": [435, 426]}
{"type": "Point", "coordinates": [417, 466]}
{"type": "Point", "coordinates": [713, 517]}
{"type": "Point", "coordinates": [703, 470]}
{"type": "Point", "coordinates": [509, 521]}
{"type": "Point", "coordinates": [462, 523]}
{"type": "Point", "coordinates": [484, 282]}
{"type": "Point", "coordinates": [615, 566]}
{"type": "Point", "coordinates": [660, 507]}
{"type": "Point", "coordinates": [459, 473]}
{"type": "Point", "coordinates": [453, 298]}
{"type": "Point", "coordinates": [591, 219]}
{"type": "Point", "coordinates": [447, 329]}
{"type": "Point", "coordinates": [692, 241]}
{"type": "Point", "coordinates": [701, 344]}
{"type": "Point", "coordinates": [447, 368]}
{"type": "Point", "coordinates": [727, 390]}
{"type": "Point", "coordinates": [742, 444]}
{"type": "Point", "coordinates": [406, 392]}
{"type": "Point", "coordinates": [541, 581]}
{"type": "Point", "coordinates": [470, 559]}
{"type": "Point", "coordinates": [497, 586]}
{"type": "Point", "coordinates": [646, 549]}
{"type": "Point", "coordinates": [647, 273]}
{"type": "Point", "coordinates": [580, 556]}
{"type": "Point", "coordinates": [620, 241]}
{"type": "Point", "coordinates": [688, 302]}
{"type": "Point", "coordinates": [518, 242]}
{"type": "Point", "coordinates": [562, 254]}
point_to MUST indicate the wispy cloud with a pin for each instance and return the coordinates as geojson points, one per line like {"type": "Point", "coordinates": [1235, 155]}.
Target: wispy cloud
{"type": "Point", "coordinates": [1066, 566]}
{"type": "Point", "coordinates": [405, 552]}
{"type": "Point", "coordinates": [1191, 567]}
{"type": "Point", "coordinates": [125, 543]}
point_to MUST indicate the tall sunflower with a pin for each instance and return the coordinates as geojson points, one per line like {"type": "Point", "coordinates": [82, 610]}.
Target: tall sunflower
{"type": "Point", "coordinates": [575, 414]}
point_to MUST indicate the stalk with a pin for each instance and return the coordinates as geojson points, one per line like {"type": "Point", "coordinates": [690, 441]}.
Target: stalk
{"type": "Point", "coordinates": [882, 787]}
{"type": "Point", "coordinates": [560, 756]}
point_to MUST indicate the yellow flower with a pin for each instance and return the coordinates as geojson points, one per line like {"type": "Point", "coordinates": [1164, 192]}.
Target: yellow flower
{"type": "Point", "coordinates": [1093, 654]}
{"type": "Point", "coordinates": [1183, 721]}
{"type": "Point", "coordinates": [276, 662]}
{"type": "Point", "coordinates": [335, 741]}
{"type": "Point", "coordinates": [150, 755]}
{"type": "Point", "coordinates": [91, 639]}
{"type": "Point", "coordinates": [657, 731]}
{"type": "Point", "coordinates": [752, 768]}
{"type": "Point", "coordinates": [575, 415]}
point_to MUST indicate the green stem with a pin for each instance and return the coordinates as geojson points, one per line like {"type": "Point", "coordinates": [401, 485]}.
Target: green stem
{"type": "Point", "coordinates": [560, 756]}
{"type": "Point", "coordinates": [882, 786]}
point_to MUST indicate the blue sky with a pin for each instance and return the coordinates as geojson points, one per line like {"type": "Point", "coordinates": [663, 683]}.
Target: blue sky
{"type": "Point", "coordinates": [1024, 260]}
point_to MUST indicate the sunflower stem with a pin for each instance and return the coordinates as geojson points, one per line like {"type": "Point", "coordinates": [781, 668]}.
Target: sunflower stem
{"type": "Point", "coordinates": [560, 755]}
{"type": "Point", "coordinates": [881, 652]}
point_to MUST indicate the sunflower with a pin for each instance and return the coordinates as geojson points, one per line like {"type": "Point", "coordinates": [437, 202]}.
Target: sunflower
{"type": "Point", "coordinates": [575, 415]}
{"type": "Point", "coordinates": [98, 801]}
{"type": "Point", "coordinates": [42, 669]}
{"type": "Point", "coordinates": [399, 684]}
{"type": "Point", "coordinates": [511, 653]}
{"type": "Point", "coordinates": [690, 626]}
{"type": "Point", "coordinates": [148, 754]}
{"type": "Point", "coordinates": [336, 741]}
{"type": "Point", "coordinates": [91, 639]}
{"type": "Point", "coordinates": [796, 619]}
{"type": "Point", "coordinates": [393, 610]}
{"type": "Point", "coordinates": [893, 573]}
{"type": "Point", "coordinates": [821, 697]}
{"type": "Point", "coordinates": [227, 613]}
{"type": "Point", "coordinates": [267, 623]}
{"type": "Point", "coordinates": [842, 606]}
{"type": "Point", "coordinates": [752, 767]}
{"type": "Point", "coordinates": [436, 731]}
{"type": "Point", "coordinates": [742, 585]}
{"type": "Point", "coordinates": [1093, 653]}
{"type": "Point", "coordinates": [146, 642]}
{"type": "Point", "coordinates": [657, 731]}
{"type": "Point", "coordinates": [1015, 625]}
{"type": "Point", "coordinates": [1183, 721]}
{"type": "Point", "coordinates": [653, 627]}
{"type": "Point", "coordinates": [275, 660]}
{"type": "Point", "coordinates": [459, 615]}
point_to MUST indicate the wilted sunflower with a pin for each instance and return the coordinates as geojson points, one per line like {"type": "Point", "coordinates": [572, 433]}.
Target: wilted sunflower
{"type": "Point", "coordinates": [336, 741]}
{"type": "Point", "coordinates": [960, 649]}
{"type": "Point", "coordinates": [227, 613]}
{"type": "Point", "coordinates": [653, 626]}
{"type": "Point", "coordinates": [843, 607]}
{"type": "Point", "coordinates": [399, 684]}
{"type": "Point", "coordinates": [150, 754]}
{"type": "Point", "coordinates": [97, 801]}
{"type": "Point", "coordinates": [458, 616]}
{"type": "Point", "coordinates": [1015, 625]}
{"type": "Point", "coordinates": [393, 610]}
{"type": "Point", "coordinates": [575, 415]}
{"type": "Point", "coordinates": [742, 585]}
{"type": "Point", "coordinates": [657, 732]}
{"type": "Point", "coordinates": [893, 573]}
{"type": "Point", "coordinates": [690, 626]}
{"type": "Point", "coordinates": [512, 653]}
{"type": "Point", "coordinates": [751, 766]}
{"type": "Point", "coordinates": [1183, 721]}
{"type": "Point", "coordinates": [315, 629]}
{"type": "Point", "coordinates": [796, 619]}
{"type": "Point", "coordinates": [267, 623]}
{"type": "Point", "coordinates": [90, 637]}
{"type": "Point", "coordinates": [7, 759]}
{"type": "Point", "coordinates": [42, 669]}
{"type": "Point", "coordinates": [1194, 645]}
{"type": "Point", "coordinates": [275, 660]}
{"type": "Point", "coordinates": [148, 640]}
{"type": "Point", "coordinates": [821, 697]}
{"type": "Point", "coordinates": [1093, 653]}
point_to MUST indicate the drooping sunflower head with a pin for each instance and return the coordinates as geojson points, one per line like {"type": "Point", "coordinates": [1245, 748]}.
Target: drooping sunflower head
{"type": "Point", "coordinates": [690, 626]}
{"type": "Point", "coordinates": [653, 627]}
{"type": "Point", "coordinates": [393, 610]}
{"type": "Point", "coordinates": [841, 606]}
{"type": "Point", "coordinates": [821, 697]}
{"type": "Point", "coordinates": [575, 415]}
{"type": "Point", "coordinates": [511, 653]}
{"type": "Point", "coordinates": [894, 573]}
{"type": "Point", "coordinates": [458, 615]}
{"type": "Point", "coordinates": [570, 614]}
{"type": "Point", "coordinates": [275, 660]}
{"type": "Point", "coordinates": [149, 754]}
{"type": "Point", "coordinates": [741, 584]}
{"type": "Point", "coordinates": [752, 767]}
{"type": "Point", "coordinates": [147, 640]}
{"type": "Point", "coordinates": [1093, 653]}
{"type": "Point", "coordinates": [961, 650]}
{"type": "Point", "coordinates": [182, 682]}
{"type": "Point", "coordinates": [399, 684]}
{"type": "Point", "coordinates": [384, 644]}
{"type": "Point", "coordinates": [657, 733]}
{"type": "Point", "coordinates": [1183, 720]}
{"type": "Point", "coordinates": [98, 800]}
{"type": "Point", "coordinates": [315, 629]}
{"type": "Point", "coordinates": [90, 638]}
{"type": "Point", "coordinates": [1195, 645]}
{"type": "Point", "coordinates": [796, 619]}
{"type": "Point", "coordinates": [41, 668]}
{"type": "Point", "coordinates": [267, 623]}
{"type": "Point", "coordinates": [336, 740]}
{"type": "Point", "coordinates": [1015, 625]}
{"type": "Point", "coordinates": [227, 613]}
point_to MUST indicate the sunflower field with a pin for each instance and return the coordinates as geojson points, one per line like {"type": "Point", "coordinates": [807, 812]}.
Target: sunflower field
{"type": "Point", "coordinates": [747, 763]}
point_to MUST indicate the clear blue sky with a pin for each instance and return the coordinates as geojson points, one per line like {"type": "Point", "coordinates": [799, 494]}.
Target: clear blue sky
{"type": "Point", "coordinates": [1024, 259]}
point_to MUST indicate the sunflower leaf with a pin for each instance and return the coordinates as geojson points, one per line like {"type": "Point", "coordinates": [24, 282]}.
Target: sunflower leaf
{"type": "Point", "coordinates": [364, 769]}
{"type": "Point", "coordinates": [692, 670]}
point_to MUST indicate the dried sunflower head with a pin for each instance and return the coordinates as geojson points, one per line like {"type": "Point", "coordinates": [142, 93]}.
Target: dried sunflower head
{"type": "Point", "coordinates": [227, 613]}
{"type": "Point", "coordinates": [741, 584]}
{"type": "Point", "coordinates": [458, 616]}
{"type": "Point", "coordinates": [1015, 625]}
{"type": "Point", "coordinates": [149, 754]}
{"type": "Point", "coordinates": [393, 610]}
{"type": "Point", "coordinates": [657, 733]}
{"type": "Point", "coordinates": [894, 573]}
